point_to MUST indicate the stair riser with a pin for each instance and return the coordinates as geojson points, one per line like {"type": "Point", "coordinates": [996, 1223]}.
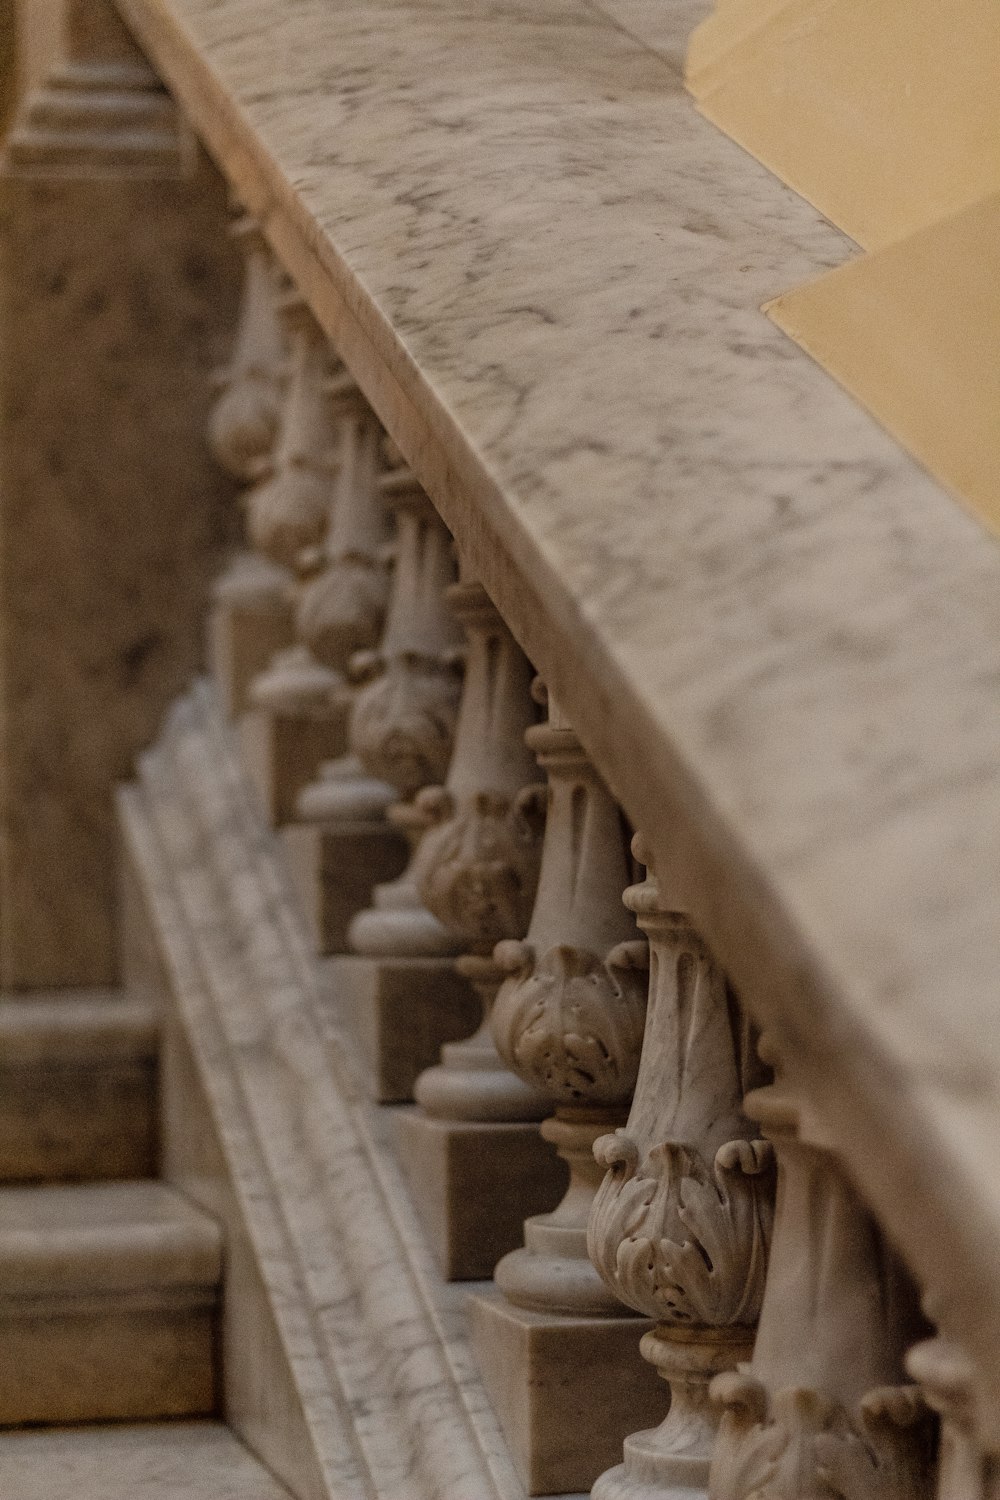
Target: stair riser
{"type": "Point", "coordinates": [105, 1365]}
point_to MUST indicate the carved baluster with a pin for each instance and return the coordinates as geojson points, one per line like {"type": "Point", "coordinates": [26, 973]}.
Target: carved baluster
{"type": "Point", "coordinates": [340, 845]}
{"type": "Point", "coordinates": [823, 1409]}
{"type": "Point", "coordinates": [299, 717]}
{"type": "Point", "coordinates": [569, 1020]}
{"type": "Point", "coordinates": [680, 1225]}
{"type": "Point", "coordinates": [948, 1381]}
{"type": "Point", "coordinates": [403, 720]}
{"type": "Point", "coordinates": [477, 867]}
{"type": "Point", "coordinates": [252, 613]}
{"type": "Point", "coordinates": [401, 992]}
{"type": "Point", "coordinates": [243, 424]}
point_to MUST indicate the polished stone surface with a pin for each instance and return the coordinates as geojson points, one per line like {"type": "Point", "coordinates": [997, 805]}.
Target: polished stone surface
{"type": "Point", "coordinates": [779, 638]}
{"type": "Point", "coordinates": [175, 1461]}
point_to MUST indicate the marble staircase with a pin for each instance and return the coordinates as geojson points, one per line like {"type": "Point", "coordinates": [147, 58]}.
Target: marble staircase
{"type": "Point", "coordinates": [557, 908]}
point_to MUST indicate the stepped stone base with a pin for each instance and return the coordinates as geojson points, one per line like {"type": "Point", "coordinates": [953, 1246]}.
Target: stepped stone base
{"type": "Point", "coordinates": [334, 867]}
{"type": "Point", "coordinates": [400, 1012]}
{"type": "Point", "coordinates": [473, 1185]}
{"type": "Point", "coordinates": [78, 1077]}
{"type": "Point", "coordinates": [282, 753]}
{"type": "Point", "coordinates": [108, 1299]}
{"type": "Point", "coordinates": [540, 1371]}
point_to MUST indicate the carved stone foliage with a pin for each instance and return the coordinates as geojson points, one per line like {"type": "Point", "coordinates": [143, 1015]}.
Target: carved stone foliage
{"type": "Point", "coordinates": [243, 423]}
{"type": "Point", "coordinates": [691, 1237]}
{"type": "Point", "coordinates": [288, 508]}
{"type": "Point", "coordinates": [823, 1411]}
{"type": "Point", "coordinates": [342, 607]}
{"type": "Point", "coordinates": [403, 718]}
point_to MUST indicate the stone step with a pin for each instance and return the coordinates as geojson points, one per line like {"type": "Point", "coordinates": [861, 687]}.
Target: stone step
{"type": "Point", "coordinates": [78, 1086]}
{"type": "Point", "coordinates": [168, 1461]}
{"type": "Point", "coordinates": [108, 1304]}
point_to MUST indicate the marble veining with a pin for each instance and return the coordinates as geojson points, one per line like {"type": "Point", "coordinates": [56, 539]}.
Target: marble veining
{"type": "Point", "coordinates": [779, 639]}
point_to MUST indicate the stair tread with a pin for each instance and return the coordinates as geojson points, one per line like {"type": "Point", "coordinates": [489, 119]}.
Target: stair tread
{"type": "Point", "coordinates": [69, 1239]}
{"type": "Point", "coordinates": [147, 1461]}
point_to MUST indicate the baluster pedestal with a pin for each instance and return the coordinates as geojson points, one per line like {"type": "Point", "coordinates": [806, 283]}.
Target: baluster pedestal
{"type": "Point", "coordinates": [473, 1179]}
{"type": "Point", "coordinates": [250, 622]}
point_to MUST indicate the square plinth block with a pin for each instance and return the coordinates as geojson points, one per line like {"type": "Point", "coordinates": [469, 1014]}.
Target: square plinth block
{"type": "Point", "coordinates": [242, 639]}
{"type": "Point", "coordinates": [282, 752]}
{"type": "Point", "coordinates": [333, 868]}
{"type": "Point", "coordinates": [400, 1012]}
{"type": "Point", "coordinates": [473, 1185]}
{"type": "Point", "coordinates": [567, 1391]}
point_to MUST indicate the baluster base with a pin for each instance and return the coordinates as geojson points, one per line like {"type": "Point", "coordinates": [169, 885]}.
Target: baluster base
{"type": "Point", "coordinates": [400, 1012]}
{"type": "Point", "coordinates": [282, 752]}
{"type": "Point", "coordinates": [563, 1427]}
{"type": "Point", "coordinates": [251, 620]}
{"type": "Point", "coordinates": [473, 1186]}
{"type": "Point", "coordinates": [334, 868]}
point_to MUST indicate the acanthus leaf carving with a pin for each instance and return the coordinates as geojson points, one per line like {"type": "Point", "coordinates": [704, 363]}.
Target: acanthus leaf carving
{"type": "Point", "coordinates": [478, 861]}
{"type": "Point", "coordinates": [798, 1444]}
{"type": "Point", "coordinates": [570, 1021]}
{"type": "Point", "coordinates": [679, 1241]}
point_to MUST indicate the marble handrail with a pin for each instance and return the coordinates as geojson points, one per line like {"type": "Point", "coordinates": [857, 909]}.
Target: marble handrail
{"type": "Point", "coordinates": [778, 639]}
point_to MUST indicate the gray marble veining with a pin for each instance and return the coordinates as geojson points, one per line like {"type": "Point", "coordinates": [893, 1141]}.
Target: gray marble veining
{"type": "Point", "coordinates": [778, 637]}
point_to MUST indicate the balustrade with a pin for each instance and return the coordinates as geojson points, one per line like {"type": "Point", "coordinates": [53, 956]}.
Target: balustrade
{"type": "Point", "coordinates": [717, 1305]}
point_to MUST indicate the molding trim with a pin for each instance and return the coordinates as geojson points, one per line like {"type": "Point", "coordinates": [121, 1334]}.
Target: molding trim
{"type": "Point", "coordinates": [376, 1343]}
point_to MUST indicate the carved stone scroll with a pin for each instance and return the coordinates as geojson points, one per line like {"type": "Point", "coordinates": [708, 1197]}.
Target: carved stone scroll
{"type": "Point", "coordinates": [823, 1411]}
{"type": "Point", "coordinates": [569, 1015]}
{"type": "Point", "coordinates": [681, 1223]}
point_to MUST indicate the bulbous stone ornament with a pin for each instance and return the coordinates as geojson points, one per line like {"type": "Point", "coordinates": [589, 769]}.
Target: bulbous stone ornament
{"type": "Point", "coordinates": [288, 509]}
{"type": "Point", "coordinates": [823, 1411]}
{"type": "Point", "coordinates": [243, 423]}
{"type": "Point", "coordinates": [681, 1224]}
